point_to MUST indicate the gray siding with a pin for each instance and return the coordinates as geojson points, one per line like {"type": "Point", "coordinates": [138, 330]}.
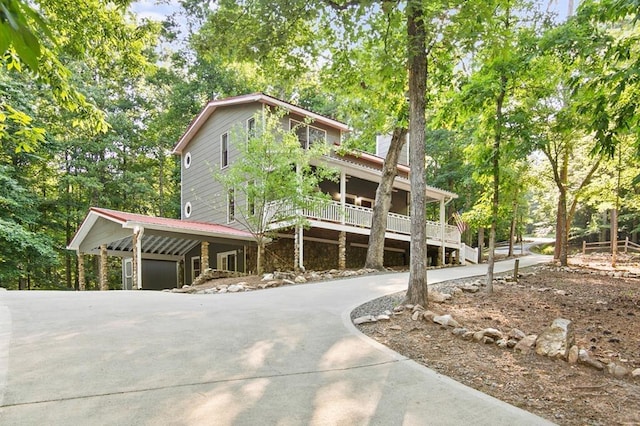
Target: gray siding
{"type": "Point", "coordinates": [382, 147]}
{"type": "Point", "coordinates": [207, 197]}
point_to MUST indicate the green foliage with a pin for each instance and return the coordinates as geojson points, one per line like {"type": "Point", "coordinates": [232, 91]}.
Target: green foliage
{"type": "Point", "coordinates": [21, 249]}
{"type": "Point", "coordinates": [273, 176]}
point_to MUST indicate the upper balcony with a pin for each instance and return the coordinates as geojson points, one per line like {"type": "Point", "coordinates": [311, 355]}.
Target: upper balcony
{"type": "Point", "coordinates": [357, 219]}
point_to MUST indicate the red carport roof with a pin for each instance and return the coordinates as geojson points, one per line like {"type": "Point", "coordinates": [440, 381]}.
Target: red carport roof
{"type": "Point", "coordinates": [162, 237]}
{"type": "Point", "coordinates": [164, 222]}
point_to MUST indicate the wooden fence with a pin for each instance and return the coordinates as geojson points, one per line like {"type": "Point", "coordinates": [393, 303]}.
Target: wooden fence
{"type": "Point", "coordinates": [624, 246]}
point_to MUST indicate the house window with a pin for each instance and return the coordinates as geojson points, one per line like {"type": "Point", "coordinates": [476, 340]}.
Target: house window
{"type": "Point", "coordinates": [224, 150]}
{"type": "Point", "coordinates": [251, 199]}
{"type": "Point", "coordinates": [195, 267]}
{"type": "Point", "coordinates": [307, 135]}
{"type": "Point", "coordinates": [251, 128]}
{"type": "Point", "coordinates": [227, 261]}
{"type": "Point", "coordinates": [231, 206]}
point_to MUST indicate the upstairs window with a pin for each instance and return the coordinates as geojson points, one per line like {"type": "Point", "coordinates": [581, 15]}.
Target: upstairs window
{"type": "Point", "coordinates": [308, 135]}
{"type": "Point", "coordinates": [224, 150]}
{"type": "Point", "coordinates": [231, 206]}
{"type": "Point", "coordinates": [251, 128]}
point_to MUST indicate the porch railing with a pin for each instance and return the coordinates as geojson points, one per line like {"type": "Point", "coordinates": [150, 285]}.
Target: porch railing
{"type": "Point", "coordinates": [333, 211]}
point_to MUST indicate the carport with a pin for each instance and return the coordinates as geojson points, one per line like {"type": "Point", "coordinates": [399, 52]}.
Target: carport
{"type": "Point", "coordinates": [141, 238]}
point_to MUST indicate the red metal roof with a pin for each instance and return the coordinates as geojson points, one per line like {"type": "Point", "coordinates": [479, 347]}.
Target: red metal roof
{"type": "Point", "coordinates": [170, 223]}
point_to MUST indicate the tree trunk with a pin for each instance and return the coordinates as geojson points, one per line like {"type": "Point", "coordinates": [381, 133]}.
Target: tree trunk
{"type": "Point", "coordinates": [496, 181]}
{"type": "Point", "coordinates": [614, 237]}
{"type": "Point", "coordinates": [375, 251]}
{"type": "Point", "coordinates": [259, 257]}
{"type": "Point", "coordinates": [562, 234]}
{"type": "Point", "coordinates": [480, 244]}
{"type": "Point", "coordinates": [417, 292]}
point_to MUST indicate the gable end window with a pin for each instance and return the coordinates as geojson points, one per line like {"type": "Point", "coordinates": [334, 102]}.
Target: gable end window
{"type": "Point", "coordinates": [308, 135]}
{"type": "Point", "coordinates": [231, 206]}
{"type": "Point", "coordinates": [224, 150]}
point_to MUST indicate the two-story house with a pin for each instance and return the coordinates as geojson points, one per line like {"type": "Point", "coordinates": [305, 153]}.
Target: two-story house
{"type": "Point", "coordinates": [163, 253]}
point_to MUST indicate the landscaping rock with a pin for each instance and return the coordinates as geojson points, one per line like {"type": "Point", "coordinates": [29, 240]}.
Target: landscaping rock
{"type": "Point", "coordinates": [364, 319]}
{"type": "Point", "coordinates": [437, 297]}
{"type": "Point", "coordinates": [585, 357]}
{"type": "Point", "coordinates": [525, 345]}
{"type": "Point", "coordinates": [459, 331]}
{"type": "Point", "coordinates": [267, 277]}
{"type": "Point", "coordinates": [383, 317]}
{"type": "Point", "coordinates": [556, 339]}
{"type": "Point", "coordinates": [573, 355]}
{"type": "Point", "coordinates": [617, 370]}
{"type": "Point", "coordinates": [446, 320]}
{"type": "Point", "coordinates": [635, 373]}
{"type": "Point", "coordinates": [416, 315]}
{"type": "Point", "coordinates": [234, 288]}
{"type": "Point", "coordinates": [516, 334]}
{"type": "Point", "coordinates": [300, 279]}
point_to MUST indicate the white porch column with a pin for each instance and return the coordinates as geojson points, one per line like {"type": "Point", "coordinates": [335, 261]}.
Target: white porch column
{"type": "Point", "coordinates": [442, 223]}
{"type": "Point", "coordinates": [343, 192]}
{"type": "Point", "coordinates": [137, 257]}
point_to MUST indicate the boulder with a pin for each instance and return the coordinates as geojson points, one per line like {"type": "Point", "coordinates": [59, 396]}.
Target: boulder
{"type": "Point", "coordinates": [574, 352]}
{"type": "Point", "coordinates": [300, 279]}
{"type": "Point", "coordinates": [555, 340]}
{"type": "Point", "coordinates": [459, 331]}
{"type": "Point", "coordinates": [617, 370]}
{"type": "Point", "coordinates": [437, 297]}
{"type": "Point", "coordinates": [525, 345]}
{"type": "Point", "coordinates": [364, 319]}
{"type": "Point", "coordinates": [234, 288]}
{"type": "Point", "coordinates": [470, 288]}
{"type": "Point", "coordinates": [446, 320]}
{"type": "Point", "coordinates": [516, 334]}
{"type": "Point", "coordinates": [428, 315]}
{"type": "Point", "coordinates": [585, 357]}
{"type": "Point", "coordinates": [267, 277]}
{"type": "Point", "coordinates": [287, 281]}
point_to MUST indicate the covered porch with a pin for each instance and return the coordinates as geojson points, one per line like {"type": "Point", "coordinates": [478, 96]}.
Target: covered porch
{"type": "Point", "coordinates": [153, 249]}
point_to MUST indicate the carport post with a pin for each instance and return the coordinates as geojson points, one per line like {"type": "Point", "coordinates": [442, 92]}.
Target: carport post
{"type": "Point", "coordinates": [137, 256]}
{"type": "Point", "coordinates": [104, 275]}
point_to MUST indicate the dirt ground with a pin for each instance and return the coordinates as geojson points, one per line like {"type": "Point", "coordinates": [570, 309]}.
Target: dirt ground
{"type": "Point", "coordinates": [605, 312]}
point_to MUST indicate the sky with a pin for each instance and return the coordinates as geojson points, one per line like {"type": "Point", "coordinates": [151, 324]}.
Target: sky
{"type": "Point", "coordinates": [157, 10]}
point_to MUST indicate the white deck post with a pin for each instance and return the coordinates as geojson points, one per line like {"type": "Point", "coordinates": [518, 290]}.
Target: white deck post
{"type": "Point", "coordinates": [137, 256]}
{"type": "Point", "coordinates": [343, 194]}
{"type": "Point", "coordinates": [442, 222]}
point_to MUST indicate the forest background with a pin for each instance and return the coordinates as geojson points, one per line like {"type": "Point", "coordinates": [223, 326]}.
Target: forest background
{"type": "Point", "coordinates": [92, 105]}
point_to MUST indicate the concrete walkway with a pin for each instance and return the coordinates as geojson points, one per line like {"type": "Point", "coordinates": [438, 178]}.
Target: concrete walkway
{"type": "Point", "coordinates": [286, 356]}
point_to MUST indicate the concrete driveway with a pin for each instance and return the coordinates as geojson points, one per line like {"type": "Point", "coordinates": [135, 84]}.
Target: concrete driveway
{"type": "Point", "coordinates": [286, 356]}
